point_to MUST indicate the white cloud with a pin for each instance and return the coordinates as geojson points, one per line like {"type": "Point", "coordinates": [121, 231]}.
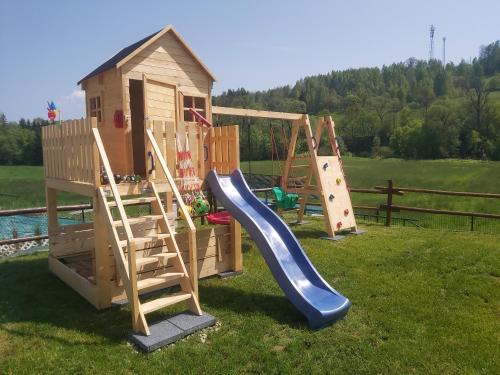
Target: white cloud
{"type": "Point", "coordinates": [75, 96]}
{"type": "Point", "coordinates": [72, 105]}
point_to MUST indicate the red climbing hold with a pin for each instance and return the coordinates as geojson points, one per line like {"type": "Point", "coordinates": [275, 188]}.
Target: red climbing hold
{"type": "Point", "coordinates": [339, 225]}
{"type": "Point", "coordinates": [346, 212]}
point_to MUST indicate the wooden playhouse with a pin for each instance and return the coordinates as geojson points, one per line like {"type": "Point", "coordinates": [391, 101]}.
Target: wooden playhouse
{"type": "Point", "coordinates": [138, 107]}
{"type": "Point", "coordinates": [136, 104]}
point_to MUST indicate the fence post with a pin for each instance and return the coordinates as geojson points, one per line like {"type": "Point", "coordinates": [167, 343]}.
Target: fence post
{"type": "Point", "coordinates": [472, 223]}
{"type": "Point", "coordinates": [389, 204]}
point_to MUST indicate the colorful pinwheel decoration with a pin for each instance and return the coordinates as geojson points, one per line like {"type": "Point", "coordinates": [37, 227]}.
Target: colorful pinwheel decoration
{"type": "Point", "coordinates": [52, 111]}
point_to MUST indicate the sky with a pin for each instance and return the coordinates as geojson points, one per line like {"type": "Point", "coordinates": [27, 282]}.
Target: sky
{"type": "Point", "coordinates": [47, 46]}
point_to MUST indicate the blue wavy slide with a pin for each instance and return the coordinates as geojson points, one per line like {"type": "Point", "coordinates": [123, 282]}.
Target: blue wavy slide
{"type": "Point", "coordinates": [290, 266]}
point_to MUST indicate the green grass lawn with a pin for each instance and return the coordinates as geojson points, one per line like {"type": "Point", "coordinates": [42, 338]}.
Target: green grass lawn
{"type": "Point", "coordinates": [422, 302]}
{"type": "Point", "coordinates": [23, 186]}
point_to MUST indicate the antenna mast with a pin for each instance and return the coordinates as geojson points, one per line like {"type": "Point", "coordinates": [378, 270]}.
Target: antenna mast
{"type": "Point", "coordinates": [431, 50]}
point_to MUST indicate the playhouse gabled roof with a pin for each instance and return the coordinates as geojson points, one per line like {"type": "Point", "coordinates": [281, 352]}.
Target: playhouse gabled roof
{"type": "Point", "coordinates": [127, 53]}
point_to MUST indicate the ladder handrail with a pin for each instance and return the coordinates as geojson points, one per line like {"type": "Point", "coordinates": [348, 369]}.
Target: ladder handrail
{"type": "Point", "coordinates": [112, 183]}
{"type": "Point", "coordinates": [171, 181]}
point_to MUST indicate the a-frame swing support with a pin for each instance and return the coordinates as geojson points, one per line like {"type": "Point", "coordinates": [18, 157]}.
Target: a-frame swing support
{"type": "Point", "coordinates": [324, 176]}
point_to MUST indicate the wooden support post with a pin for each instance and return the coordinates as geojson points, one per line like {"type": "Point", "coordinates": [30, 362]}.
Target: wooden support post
{"type": "Point", "coordinates": [102, 264]}
{"type": "Point", "coordinates": [51, 198]}
{"type": "Point", "coordinates": [138, 320]}
{"type": "Point", "coordinates": [169, 202]}
{"type": "Point", "coordinates": [237, 256]}
{"type": "Point", "coordinates": [95, 156]}
{"type": "Point", "coordinates": [193, 262]}
{"type": "Point", "coordinates": [389, 204]}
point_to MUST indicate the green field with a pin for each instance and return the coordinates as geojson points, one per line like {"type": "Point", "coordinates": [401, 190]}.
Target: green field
{"type": "Point", "coordinates": [456, 175]}
{"type": "Point", "coordinates": [422, 303]}
{"type": "Point", "coordinates": [23, 186]}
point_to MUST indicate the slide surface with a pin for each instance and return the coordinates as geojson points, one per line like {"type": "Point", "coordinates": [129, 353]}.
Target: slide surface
{"type": "Point", "coordinates": [290, 266]}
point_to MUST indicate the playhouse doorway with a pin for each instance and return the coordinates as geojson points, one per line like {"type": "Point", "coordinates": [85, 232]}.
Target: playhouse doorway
{"type": "Point", "coordinates": [136, 91]}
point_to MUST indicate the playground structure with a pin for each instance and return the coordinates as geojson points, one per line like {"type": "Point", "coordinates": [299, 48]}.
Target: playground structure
{"type": "Point", "coordinates": [148, 113]}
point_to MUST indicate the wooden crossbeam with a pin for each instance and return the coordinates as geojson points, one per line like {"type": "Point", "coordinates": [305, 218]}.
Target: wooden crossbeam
{"type": "Point", "coordinates": [243, 112]}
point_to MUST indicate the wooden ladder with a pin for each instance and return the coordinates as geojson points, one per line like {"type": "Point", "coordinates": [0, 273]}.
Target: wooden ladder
{"type": "Point", "coordinates": [124, 250]}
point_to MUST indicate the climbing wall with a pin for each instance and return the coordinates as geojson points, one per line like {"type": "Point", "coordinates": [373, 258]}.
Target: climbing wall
{"type": "Point", "coordinates": [336, 200]}
{"type": "Point", "coordinates": [324, 176]}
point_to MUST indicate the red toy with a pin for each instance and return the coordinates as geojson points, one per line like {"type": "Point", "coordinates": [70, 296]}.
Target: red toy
{"type": "Point", "coordinates": [222, 218]}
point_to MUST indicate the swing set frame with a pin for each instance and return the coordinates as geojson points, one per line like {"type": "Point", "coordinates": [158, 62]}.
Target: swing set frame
{"type": "Point", "coordinates": [324, 177]}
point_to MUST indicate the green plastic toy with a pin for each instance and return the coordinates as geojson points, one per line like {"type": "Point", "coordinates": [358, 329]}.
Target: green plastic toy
{"type": "Point", "coordinates": [200, 206]}
{"type": "Point", "coordinates": [284, 200]}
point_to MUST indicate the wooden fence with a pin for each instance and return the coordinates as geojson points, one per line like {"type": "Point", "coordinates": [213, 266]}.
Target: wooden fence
{"type": "Point", "coordinates": [390, 191]}
{"type": "Point", "coordinates": [222, 145]}
{"type": "Point", "coordinates": [69, 151]}
{"type": "Point", "coordinates": [388, 206]}
{"type": "Point", "coordinates": [226, 161]}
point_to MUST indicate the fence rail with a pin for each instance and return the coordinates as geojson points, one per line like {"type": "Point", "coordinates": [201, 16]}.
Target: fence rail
{"type": "Point", "coordinates": [390, 190]}
{"type": "Point", "coordinates": [428, 217]}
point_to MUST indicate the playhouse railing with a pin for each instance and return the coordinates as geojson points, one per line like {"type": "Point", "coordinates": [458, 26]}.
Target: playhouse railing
{"type": "Point", "coordinates": [222, 145]}
{"type": "Point", "coordinates": [69, 151]}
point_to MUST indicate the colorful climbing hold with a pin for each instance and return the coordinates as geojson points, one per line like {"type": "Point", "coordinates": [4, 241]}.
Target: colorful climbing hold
{"type": "Point", "coordinates": [346, 212]}
{"type": "Point", "coordinates": [338, 180]}
{"type": "Point", "coordinates": [339, 225]}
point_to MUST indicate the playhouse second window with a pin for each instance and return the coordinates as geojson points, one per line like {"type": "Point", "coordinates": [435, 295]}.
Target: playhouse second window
{"type": "Point", "coordinates": [195, 102]}
{"type": "Point", "coordinates": [95, 108]}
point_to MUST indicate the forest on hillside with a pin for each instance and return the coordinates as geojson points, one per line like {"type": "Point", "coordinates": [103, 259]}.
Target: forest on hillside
{"type": "Point", "coordinates": [21, 142]}
{"type": "Point", "coordinates": [414, 110]}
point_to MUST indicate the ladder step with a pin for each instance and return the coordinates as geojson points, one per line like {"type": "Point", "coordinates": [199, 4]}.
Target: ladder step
{"type": "Point", "coordinates": [159, 279]}
{"type": "Point", "coordinates": [143, 240]}
{"type": "Point", "coordinates": [145, 260]}
{"type": "Point", "coordinates": [154, 258]}
{"type": "Point", "coordinates": [162, 302]}
{"type": "Point", "coordinates": [300, 166]}
{"type": "Point", "coordinates": [137, 220]}
{"type": "Point", "coordinates": [128, 202]}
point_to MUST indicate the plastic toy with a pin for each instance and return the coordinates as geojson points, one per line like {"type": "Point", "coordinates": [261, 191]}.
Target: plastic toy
{"type": "Point", "coordinates": [52, 111]}
{"type": "Point", "coordinates": [200, 206]}
{"type": "Point", "coordinates": [222, 218]}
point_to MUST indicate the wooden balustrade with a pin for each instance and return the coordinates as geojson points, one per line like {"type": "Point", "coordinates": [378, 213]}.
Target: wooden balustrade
{"type": "Point", "coordinates": [69, 151]}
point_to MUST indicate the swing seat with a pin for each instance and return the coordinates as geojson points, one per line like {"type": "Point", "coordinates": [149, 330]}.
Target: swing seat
{"type": "Point", "coordinates": [286, 201]}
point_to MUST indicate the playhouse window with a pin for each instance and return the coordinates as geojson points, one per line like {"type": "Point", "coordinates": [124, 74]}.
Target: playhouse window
{"type": "Point", "coordinates": [95, 108]}
{"type": "Point", "coordinates": [195, 102]}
